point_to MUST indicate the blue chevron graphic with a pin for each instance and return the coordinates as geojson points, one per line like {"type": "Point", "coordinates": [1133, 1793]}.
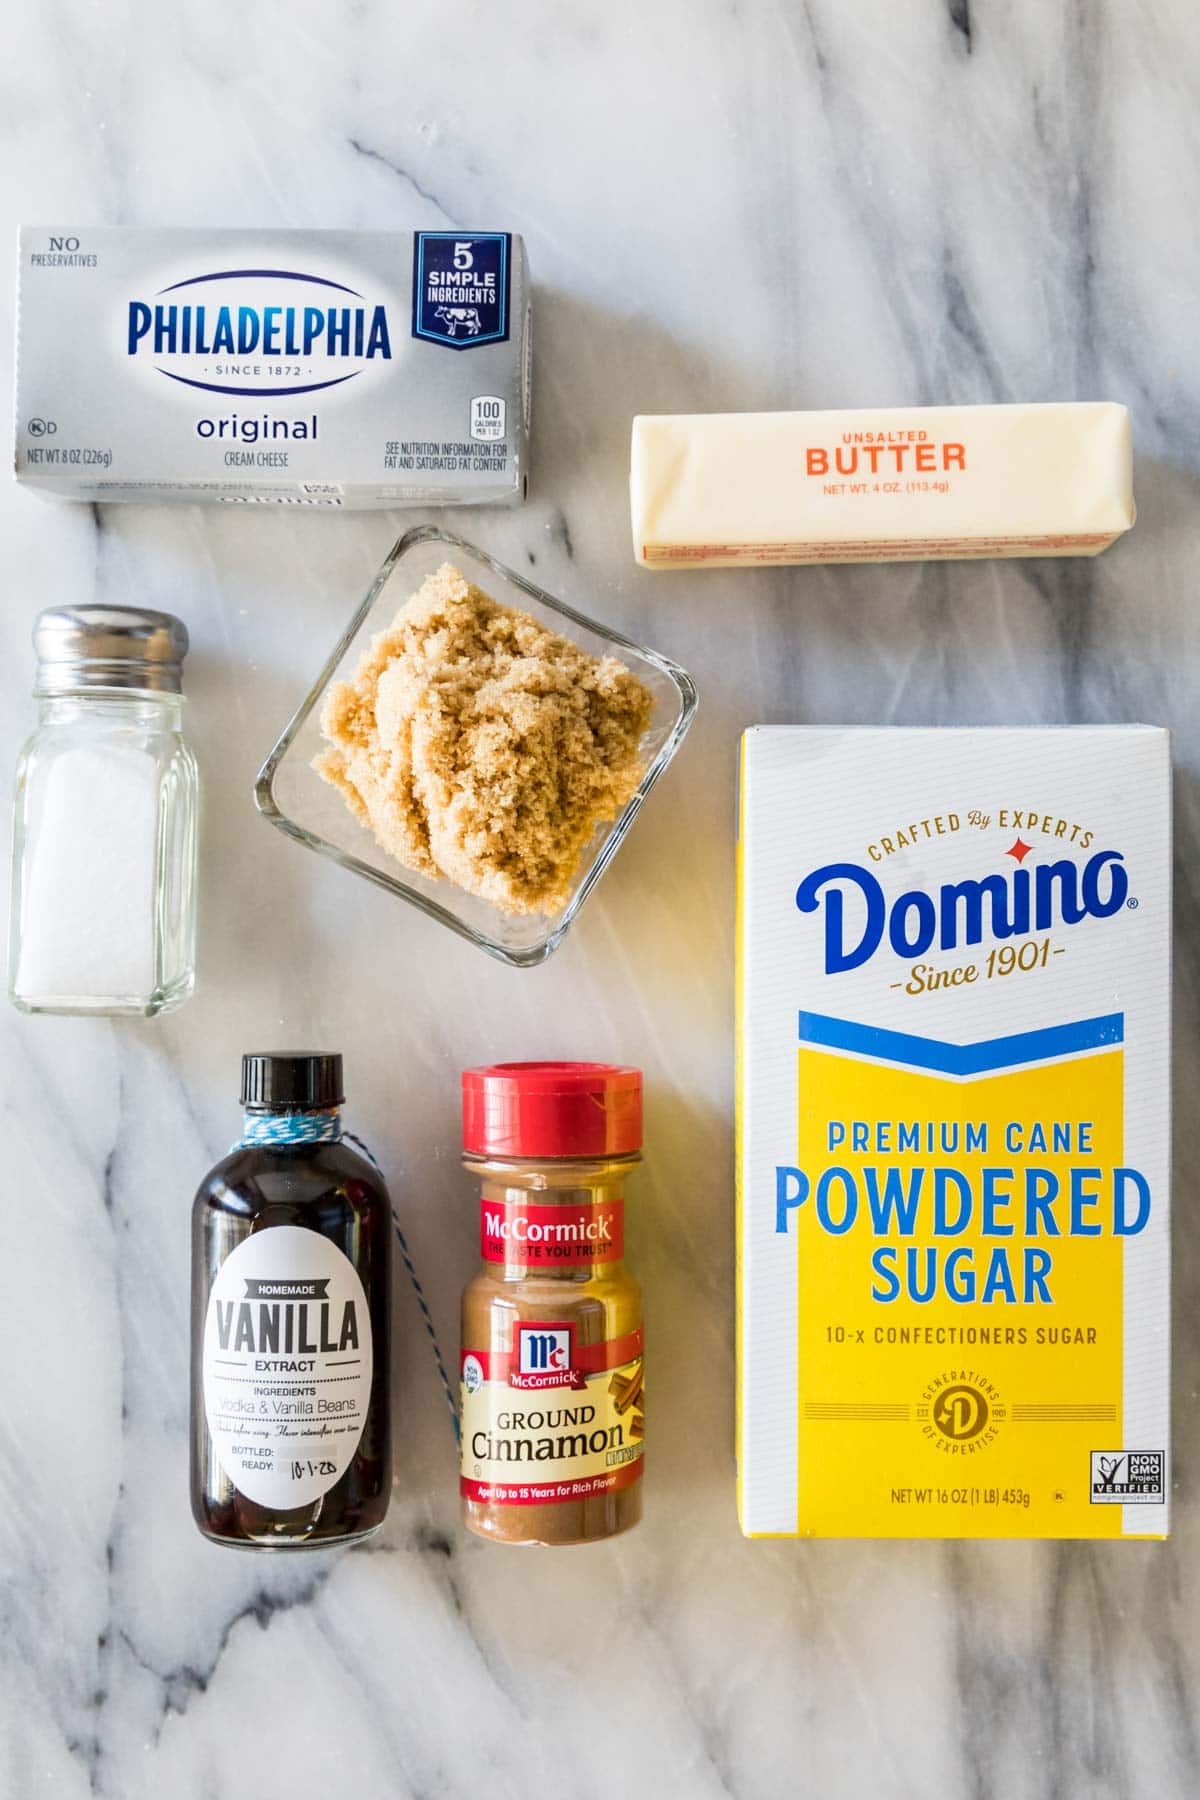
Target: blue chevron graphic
{"type": "Point", "coordinates": [983, 1058]}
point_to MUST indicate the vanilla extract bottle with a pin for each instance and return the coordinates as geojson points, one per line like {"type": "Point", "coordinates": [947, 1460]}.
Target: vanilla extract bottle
{"type": "Point", "coordinates": [291, 1307]}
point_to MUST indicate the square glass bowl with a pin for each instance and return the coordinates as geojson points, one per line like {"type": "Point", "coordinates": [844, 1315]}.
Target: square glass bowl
{"type": "Point", "coordinates": [294, 798]}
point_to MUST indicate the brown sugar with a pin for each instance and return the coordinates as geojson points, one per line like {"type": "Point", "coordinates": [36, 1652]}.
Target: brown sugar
{"type": "Point", "coordinates": [478, 745]}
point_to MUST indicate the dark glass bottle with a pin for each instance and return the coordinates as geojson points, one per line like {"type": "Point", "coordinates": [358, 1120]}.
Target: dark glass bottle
{"type": "Point", "coordinates": [291, 1311]}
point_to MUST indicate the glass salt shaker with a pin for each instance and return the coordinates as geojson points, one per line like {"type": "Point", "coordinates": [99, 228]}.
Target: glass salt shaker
{"type": "Point", "coordinates": [104, 820]}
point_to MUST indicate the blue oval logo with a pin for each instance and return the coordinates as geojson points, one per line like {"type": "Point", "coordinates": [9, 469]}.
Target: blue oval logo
{"type": "Point", "coordinates": [247, 331]}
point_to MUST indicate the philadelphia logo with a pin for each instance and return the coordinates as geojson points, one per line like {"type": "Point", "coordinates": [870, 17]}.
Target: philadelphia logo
{"type": "Point", "coordinates": [295, 327]}
{"type": "Point", "coordinates": [959, 912]}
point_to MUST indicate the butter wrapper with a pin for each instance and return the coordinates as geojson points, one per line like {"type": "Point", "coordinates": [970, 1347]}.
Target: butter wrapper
{"type": "Point", "coordinates": [897, 484]}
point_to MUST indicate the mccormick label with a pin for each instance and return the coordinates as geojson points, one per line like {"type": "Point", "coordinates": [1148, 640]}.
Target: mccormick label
{"type": "Point", "coordinates": [302, 368]}
{"type": "Point", "coordinates": [533, 1236]}
{"type": "Point", "coordinates": [550, 1419]}
{"type": "Point", "coordinates": [953, 1133]}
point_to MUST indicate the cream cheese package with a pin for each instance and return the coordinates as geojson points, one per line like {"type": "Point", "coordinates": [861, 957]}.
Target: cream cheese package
{"type": "Point", "coordinates": [893, 484]}
{"type": "Point", "coordinates": [953, 1132]}
{"type": "Point", "coordinates": [302, 368]}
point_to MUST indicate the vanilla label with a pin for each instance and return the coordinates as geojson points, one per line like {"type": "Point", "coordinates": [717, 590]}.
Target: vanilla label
{"type": "Point", "coordinates": [287, 1366]}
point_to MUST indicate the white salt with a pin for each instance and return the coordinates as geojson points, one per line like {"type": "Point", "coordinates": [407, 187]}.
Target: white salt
{"type": "Point", "coordinates": [87, 912]}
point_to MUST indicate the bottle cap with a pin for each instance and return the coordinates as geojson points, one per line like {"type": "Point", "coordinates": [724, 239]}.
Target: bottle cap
{"type": "Point", "coordinates": [109, 647]}
{"type": "Point", "coordinates": [292, 1080]}
{"type": "Point", "coordinates": [552, 1109]}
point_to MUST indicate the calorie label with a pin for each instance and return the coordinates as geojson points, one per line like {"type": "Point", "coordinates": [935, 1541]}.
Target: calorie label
{"type": "Point", "coordinates": [534, 1236]}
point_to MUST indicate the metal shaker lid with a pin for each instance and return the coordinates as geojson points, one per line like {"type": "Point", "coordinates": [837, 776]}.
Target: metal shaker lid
{"type": "Point", "coordinates": [109, 647]}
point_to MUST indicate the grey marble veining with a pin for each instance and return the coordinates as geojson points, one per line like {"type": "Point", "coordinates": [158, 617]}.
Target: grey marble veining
{"type": "Point", "coordinates": [726, 205]}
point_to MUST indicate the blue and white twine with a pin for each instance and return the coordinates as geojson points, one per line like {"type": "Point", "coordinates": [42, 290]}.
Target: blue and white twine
{"type": "Point", "coordinates": [260, 1129]}
{"type": "Point", "coordinates": [266, 1128]}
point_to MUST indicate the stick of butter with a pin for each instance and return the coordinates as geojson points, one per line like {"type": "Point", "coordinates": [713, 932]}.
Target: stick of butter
{"type": "Point", "coordinates": [899, 484]}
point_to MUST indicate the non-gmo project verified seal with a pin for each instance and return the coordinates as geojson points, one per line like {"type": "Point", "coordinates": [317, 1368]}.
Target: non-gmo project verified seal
{"type": "Point", "coordinates": [1127, 1477]}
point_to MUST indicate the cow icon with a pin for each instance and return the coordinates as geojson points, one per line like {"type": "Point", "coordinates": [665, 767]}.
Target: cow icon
{"type": "Point", "coordinates": [454, 316]}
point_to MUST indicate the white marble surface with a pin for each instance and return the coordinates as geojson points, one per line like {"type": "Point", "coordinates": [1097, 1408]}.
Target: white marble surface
{"type": "Point", "coordinates": [725, 206]}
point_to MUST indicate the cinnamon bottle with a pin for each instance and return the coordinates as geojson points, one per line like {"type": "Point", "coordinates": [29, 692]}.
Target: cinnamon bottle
{"type": "Point", "coordinates": [552, 1399]}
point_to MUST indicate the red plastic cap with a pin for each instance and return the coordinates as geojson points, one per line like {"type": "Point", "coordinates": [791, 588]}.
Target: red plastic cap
{"type": "Point", "coordinates": [552, 1109]}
